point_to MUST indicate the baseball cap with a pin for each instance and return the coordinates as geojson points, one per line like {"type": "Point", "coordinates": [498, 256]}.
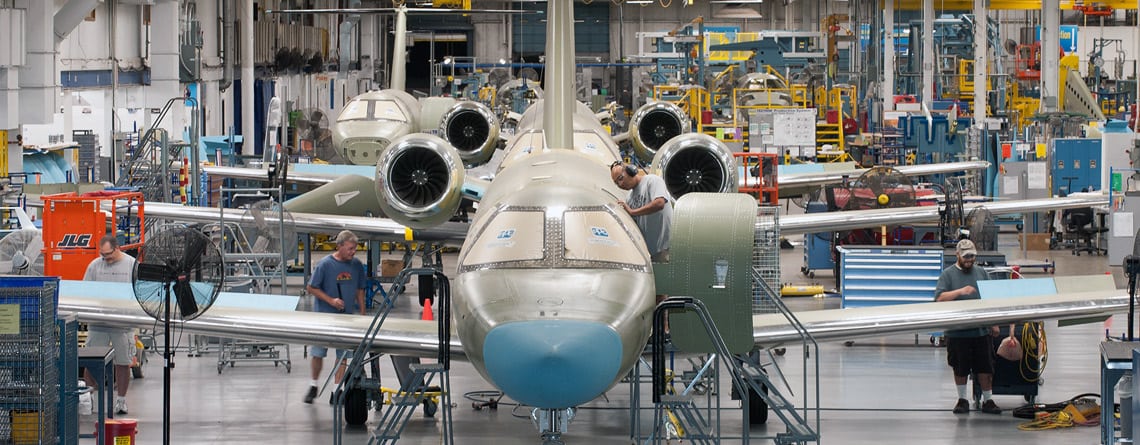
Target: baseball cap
{"type": "Point", "coordinates": [966, 247]}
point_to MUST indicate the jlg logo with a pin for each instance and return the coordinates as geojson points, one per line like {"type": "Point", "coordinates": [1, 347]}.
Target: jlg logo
{"type": "Point", "coordinates": [75, 240]}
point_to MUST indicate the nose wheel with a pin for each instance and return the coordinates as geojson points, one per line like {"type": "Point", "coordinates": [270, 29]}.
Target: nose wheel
{"type": "Point", "coordinates": [552, 423]}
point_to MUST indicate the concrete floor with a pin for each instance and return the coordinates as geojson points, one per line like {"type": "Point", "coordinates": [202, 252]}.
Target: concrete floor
{"type": "Point", "coordinates": [888, 390]}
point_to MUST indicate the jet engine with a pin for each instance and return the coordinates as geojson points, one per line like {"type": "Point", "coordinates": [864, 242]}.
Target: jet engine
{"type": "Point", "coordinates": [419, 180]}
{"type": "Point", "coordinates": [472, 129]}
{"type": "Point", "coordinates": [654, 124]}
{"type": "Point", "coordinates": [696, 162]}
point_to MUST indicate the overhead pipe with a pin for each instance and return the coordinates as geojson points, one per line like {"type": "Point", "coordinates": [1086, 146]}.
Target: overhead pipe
{"type": "Point", "coordinates": [229, 13]}
{"type": "Point", "coordinates": [247, 78]}
{"type": "Point", "coordinates": [346, 42]}
{"type": "Point", "coordinates": [70, 16]}
{"type": "Point", "coordinates": [38, 79]}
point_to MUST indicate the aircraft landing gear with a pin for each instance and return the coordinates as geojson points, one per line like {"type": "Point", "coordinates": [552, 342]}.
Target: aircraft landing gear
{"type": "Point", "coordinates": [552, 423]}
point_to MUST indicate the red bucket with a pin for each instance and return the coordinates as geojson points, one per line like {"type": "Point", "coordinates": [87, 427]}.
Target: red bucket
{"type": "Point", "coordinates": [119, 431]}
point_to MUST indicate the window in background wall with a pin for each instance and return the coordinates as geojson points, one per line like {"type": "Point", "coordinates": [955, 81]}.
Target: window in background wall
{"type": "Point", "coordinates": [591, 30]}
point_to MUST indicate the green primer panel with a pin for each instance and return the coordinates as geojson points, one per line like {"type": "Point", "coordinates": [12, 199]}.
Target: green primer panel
{"type": "Point", "coordinates": [710, 253]}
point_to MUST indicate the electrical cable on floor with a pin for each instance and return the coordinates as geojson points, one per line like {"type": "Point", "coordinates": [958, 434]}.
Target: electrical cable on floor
{"type": "Point", "coordinates": [1076, 411]}
{"type": "Point", "coordinates": [1034, 350]}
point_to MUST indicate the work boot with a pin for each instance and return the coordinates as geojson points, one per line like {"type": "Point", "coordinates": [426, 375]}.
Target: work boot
{"type": "Point", "coordinates": [989, 407]}
{"type": "Point", "coordinates": [312, 394]}
{"type": "Point", "coordinates": [962, 407]}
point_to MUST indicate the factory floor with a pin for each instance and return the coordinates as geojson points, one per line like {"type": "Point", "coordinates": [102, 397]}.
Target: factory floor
{"type": "Point", "coordinates": [895, 389]}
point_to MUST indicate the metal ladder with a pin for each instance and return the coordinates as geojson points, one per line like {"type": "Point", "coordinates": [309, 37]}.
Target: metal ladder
{"type": "Point", "coordinates": [412, 392]}
{"type": "Point", "coordinates": [142, 170]}
{"type": "Point", "coordinates": [743, 376]}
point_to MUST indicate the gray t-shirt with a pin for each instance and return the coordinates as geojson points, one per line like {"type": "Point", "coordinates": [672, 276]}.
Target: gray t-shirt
{"type": "Point", "coordinates": [953, 278]}
{"type": "Point", "coordinates": [101, 270]}
{"type": "Point", "coordinates": [654, 226]}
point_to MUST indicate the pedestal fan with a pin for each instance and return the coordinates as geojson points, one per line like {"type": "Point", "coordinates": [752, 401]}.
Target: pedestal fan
{"type": "Point", "coordinates": [178, 276]}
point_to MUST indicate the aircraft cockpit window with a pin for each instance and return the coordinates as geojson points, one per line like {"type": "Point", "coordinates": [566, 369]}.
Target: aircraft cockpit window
{"type": "Point", "coordinates": [596, 235]}
{"type": "Point", "coordinates": [354, 110]}
{"type": "Point", "coordinates": [388, 110]}
{"type": "Point", "coordinates": [509, 236]}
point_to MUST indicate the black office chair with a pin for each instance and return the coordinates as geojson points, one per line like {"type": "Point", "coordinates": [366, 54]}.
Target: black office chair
{"type": "Point", "coordinates": [1079, 223]}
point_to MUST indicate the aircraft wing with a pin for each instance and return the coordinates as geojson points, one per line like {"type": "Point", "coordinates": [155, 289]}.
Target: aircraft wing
{"type": "Point", "coordinates": [854, 219]}
{"type": "Point", "coordinates": [237, 317]}
{"type": "Point", "coordinates": [772, 330]}
{"type": "Point", "coordinates": [451, 233]}
{"type": "Point", "coordinates": [321, 174]}
{"type": "Point", "coordinates": [252, 317]}
{"type": "Point", "coordinates": [295, 176]}
{"type": "Point", "coordinates": [796, 184]}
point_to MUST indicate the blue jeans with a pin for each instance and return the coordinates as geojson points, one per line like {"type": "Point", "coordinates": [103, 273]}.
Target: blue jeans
{"type": "Point", "coordinates": [322, 352]}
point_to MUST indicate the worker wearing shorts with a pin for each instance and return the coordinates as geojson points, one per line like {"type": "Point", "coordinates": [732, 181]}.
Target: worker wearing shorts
{"type": "Point", "coordinates": [337, 285]}
{"type": "Point", "coordinates": [967, 350]}
{"type": "Point", "coordinates": [115, 266]}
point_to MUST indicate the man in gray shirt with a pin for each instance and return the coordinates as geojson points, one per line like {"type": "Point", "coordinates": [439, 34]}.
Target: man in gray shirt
{"type": "Point", "coordinates": [113, 265]}
{"type": "Point", "coordinates": [967, 349]}
{"type": "Point", "coordinates": [649, 205]}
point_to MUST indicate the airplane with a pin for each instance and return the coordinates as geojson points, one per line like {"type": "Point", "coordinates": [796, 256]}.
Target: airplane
{"type": "Point", "coordinates": [544, 308]}
{"type": "Point", "coordinates": [372, 120]}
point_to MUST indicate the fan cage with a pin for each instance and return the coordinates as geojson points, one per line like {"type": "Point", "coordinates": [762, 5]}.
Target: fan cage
{"type": "Point", "coordinates": [186, 261]}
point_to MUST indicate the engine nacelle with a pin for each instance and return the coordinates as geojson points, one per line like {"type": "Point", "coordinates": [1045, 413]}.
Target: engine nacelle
{"type": "Point", "coordinates": [472, 129]}
{"type": "Point", "coordinates": [654, 124]}
{"type": "Point", "coordinates": [696, 162]}
{"type": "Point", "coordinates": [419, 180]}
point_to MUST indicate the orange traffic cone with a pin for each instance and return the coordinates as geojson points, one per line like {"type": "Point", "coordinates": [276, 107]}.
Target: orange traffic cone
{"type": "Point", "coordinates": [427, 316]}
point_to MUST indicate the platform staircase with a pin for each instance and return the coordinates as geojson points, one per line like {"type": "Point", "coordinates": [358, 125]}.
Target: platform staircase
{"type": "Point", "coordinates": [682, 411]}
{"type": "Point", "coordinates": [147, 167]}
{"type": "Point", "coordinates": [357, 388]}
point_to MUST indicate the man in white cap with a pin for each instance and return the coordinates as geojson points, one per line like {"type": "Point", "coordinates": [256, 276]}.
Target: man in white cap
{"type": "Point", "coordinates": [967, 349]}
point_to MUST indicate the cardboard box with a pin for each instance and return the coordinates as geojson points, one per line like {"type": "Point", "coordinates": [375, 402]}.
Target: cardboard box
{"type": "Point", "coordinates": [391, 268]}
{"type": "Point", "coordinates": [1037, 241]}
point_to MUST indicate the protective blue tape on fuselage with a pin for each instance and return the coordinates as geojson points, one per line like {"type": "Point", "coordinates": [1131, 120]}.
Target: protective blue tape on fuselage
{"type": "Point", "coordinates": [553, 363]}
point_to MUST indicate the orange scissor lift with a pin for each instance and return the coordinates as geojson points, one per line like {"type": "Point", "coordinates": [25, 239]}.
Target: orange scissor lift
{"type": "Point", "coordinates": [759, 173]}
{"type": "Point", "coordinates": [74, 223]}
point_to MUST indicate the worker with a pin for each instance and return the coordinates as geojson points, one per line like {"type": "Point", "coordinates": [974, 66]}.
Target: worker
{"type": "Point", "coordinates": [338, 285]}
{"type": "Point", "coordinates": [649, 205]}
{"type": "Point", "coordinates": [116, 266]}
{"type": "Point", "coordinates": [968, 349]}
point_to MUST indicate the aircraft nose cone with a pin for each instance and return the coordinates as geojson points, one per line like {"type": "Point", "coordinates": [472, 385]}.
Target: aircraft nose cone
{"type": "Point", "coordinates": [553, 364]}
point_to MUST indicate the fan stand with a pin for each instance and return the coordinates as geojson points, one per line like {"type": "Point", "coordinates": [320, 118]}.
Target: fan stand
{"type": "Point", "coordinates": [168, 364]}
{"type": "Point", "coordinates": [167, 276]}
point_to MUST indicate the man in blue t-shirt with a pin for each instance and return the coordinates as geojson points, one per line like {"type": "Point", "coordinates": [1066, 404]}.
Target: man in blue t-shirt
{"type": "Point", "coordinates": [967, 349]}
{"type": "Point", "coordinates": [338, 285]}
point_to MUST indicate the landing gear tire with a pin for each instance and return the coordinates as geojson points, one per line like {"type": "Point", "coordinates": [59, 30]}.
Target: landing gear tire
{"type": "Point", "coordinates": [356, 407]}
{"type": "Point", "coordinates": [430, 408]}
{"type": "Point", "coordinates": [757, 407]}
